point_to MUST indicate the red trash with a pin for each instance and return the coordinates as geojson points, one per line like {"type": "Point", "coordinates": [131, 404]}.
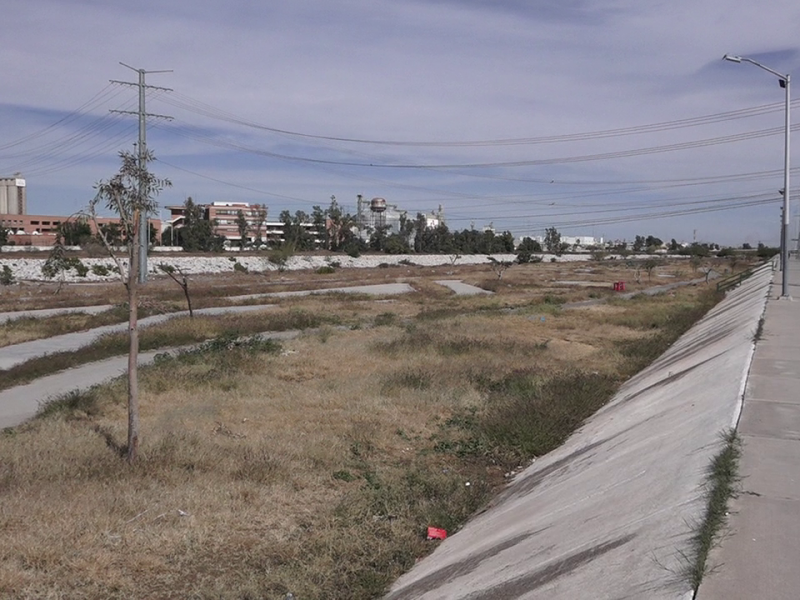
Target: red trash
{"type": "Point", "coordinates": [435, 533]}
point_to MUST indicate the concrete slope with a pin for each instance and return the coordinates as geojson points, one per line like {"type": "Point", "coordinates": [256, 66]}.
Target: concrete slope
{"type": "Point", "coordinates": [610, 514]}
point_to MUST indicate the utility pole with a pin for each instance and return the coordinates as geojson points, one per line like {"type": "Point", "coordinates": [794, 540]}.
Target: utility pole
{"type": "Point", "coordinates": [144, 222]}
{"type": "Point", "coordinates": [360, 214]}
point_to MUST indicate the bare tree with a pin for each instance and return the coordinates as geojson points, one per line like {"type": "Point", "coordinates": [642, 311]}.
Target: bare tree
{"type": "Point", "coordinates": [499, 266]}
{"type": "Point", "coordinates": [183, 281]}
{"type": "Point", "coordinates": [260, 217]}
{"type": "Point", "coordinates": [129, 193]}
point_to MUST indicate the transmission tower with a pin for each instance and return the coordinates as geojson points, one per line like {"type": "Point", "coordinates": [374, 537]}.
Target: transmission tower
{"type": "Point", "coordinates": [144, 229]}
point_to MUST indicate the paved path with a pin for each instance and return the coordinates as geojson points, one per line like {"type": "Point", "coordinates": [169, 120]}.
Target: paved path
{"type": "Point", "coordinates": [461, 288]}
{"type": "Point", "coordinates": [20, 403]}
{"type": "Point", "coordinates": [10, 356]}
{"type": "Point", "coordinates": [381, 289]}
{"type": "Point", "coordinates": [610, 514]}
{"type": "Point", "coordinates": [760, 557]}
{"type": "Point", "coordinates": [51, 312]}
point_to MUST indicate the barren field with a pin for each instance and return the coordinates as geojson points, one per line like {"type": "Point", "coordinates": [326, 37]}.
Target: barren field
{"type": "Point", "coordinates": [314, 466]}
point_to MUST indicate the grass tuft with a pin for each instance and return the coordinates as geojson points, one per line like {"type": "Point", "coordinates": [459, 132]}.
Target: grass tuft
{"type": "Point", "coordinates": [77, 401]}
{"type": "Point", "coordinates": [721, 485]}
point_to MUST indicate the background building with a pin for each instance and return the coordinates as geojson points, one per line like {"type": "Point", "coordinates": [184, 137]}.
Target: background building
{"type": "Point", "coordinates": [13, 199]}
{"type": "Point", "coordinates": [42, 230]}
{"type": "Point", "coordinates": [224, 216]}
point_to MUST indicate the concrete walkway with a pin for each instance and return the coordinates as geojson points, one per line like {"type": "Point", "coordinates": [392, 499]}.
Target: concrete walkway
{"type": "Point", "coordinates": [759, 558]}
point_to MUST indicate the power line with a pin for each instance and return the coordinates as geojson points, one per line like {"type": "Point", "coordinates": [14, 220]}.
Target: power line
{"type": "Point", "coordinates": [500, 164]}
{"type": "Point", "coordinates": [198, 107]}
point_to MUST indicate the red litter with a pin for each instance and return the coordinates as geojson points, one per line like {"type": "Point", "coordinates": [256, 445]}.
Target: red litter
{"type": "Point", "coordinates": [435, 533]}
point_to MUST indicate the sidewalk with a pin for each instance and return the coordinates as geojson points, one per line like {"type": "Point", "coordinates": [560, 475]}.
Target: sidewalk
{"type": "Point", "coordinates": [759, 558]}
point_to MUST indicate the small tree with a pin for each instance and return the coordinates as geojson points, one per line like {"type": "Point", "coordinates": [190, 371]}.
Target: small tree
{"type": "Point", "coordinates": [649, 265]}
{"type": "Point", "coordinates": [6, 276]}
{"type": "Point", "coordinates": [526, 249]}
{"type": "Point", "coordinates": [130, 193]}
{"type": "Point", "coordinates": [3, 235]}
{"type": "Point", "coordinates": [75, 232]}
{"type": "Point", "coordinates": [260, 217]}
{"type": "Point", "coordinates": [183, 281]}
{"type": "Point", "coordinates": [197, 233]}
{"type": "Point", "coordinates": [499, 266]}
{"type": "Point", "coordinates": [241, 225]}
{"type": "Point", "coordinates": [552, 240]}
{"type": "Point", "coordinates": [57, 263]}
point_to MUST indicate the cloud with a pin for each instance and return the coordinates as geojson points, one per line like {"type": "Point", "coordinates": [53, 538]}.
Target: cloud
{"type": "Point", "coordinates": [408, 70]}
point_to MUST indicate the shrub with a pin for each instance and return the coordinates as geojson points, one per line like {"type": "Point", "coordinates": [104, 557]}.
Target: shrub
{"type": "Point", "coordinates": [326, 270]}
{"type": "Point", "coordinates": [100, 270]}
{"type": "Point", "coordinates": [239, 267]}
{"type": "Point", "coordinates": [6, 276]}
{"type": "Point", "coordinates": [81, 269]}
{"type": "Point", "coordinates": [387, 318]}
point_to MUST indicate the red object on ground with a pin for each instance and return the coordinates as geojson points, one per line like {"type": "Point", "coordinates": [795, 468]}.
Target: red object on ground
{"type": "Point", "coordinates": [435, 533]}
{"type": "Point", "coordinates": [619, 286]}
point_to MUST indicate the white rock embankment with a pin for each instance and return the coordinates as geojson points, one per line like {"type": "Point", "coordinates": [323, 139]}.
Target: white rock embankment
{"type": "Point", "coordinates": [30, 268]}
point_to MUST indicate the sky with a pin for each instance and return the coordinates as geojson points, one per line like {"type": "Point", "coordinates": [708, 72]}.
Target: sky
{"type": "Point", "coordinates": [610, 118]}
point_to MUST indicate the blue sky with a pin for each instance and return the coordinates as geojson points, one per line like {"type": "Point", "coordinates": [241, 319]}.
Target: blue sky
{"type": "Point", "coordinates": [544, 74]}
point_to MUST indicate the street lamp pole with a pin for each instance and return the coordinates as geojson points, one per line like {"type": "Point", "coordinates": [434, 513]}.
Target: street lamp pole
{"type": "Point", "coordinates": [785, 82]}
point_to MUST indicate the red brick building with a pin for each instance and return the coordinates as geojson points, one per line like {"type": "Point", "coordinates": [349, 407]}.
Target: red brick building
{"type": "Point", "coordinates": [40, 230]}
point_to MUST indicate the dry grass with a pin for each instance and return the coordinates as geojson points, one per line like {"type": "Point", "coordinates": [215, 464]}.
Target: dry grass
{"type": "Point", "coordinates": [316, 469]}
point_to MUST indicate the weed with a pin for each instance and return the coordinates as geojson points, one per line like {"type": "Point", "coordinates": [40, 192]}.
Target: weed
{"type": "Point", "coordinates": [84, 401]}
{"type": "Point", "coordinates": [386, 318]}
{"type": "Point", "coordinates": [759, 332]}
{"type": "Point", "coordinates": [529, 414]}
{"type": "Point", "coordinates": [721, 482]}
{"type": "Point", "coordinates": [413, 379]}
{"type": "Point", "coordinates": [6, 276]}
{"type": "Point", "coordinates": [553, 300]}
{"type": "Point", "coordinates": [344, 475]}
{"type": "Point", "coordinates": [81, 269]}
{"type": "Point", "coordinates": [326, 270]}
{"type": "Point", "coordinates": [324, 334]}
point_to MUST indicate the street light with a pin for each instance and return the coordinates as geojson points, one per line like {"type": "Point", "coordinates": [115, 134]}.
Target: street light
{"type": "Point", "coordinates": [784, 81]}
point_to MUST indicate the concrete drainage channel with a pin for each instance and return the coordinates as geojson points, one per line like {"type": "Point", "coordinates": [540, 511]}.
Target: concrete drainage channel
{"type": "Point", "coordinates": [613, 513]}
